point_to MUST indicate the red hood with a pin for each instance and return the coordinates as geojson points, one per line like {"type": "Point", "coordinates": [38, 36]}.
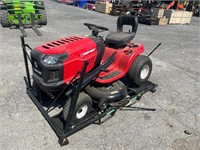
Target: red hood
{"type": "Point", "coordinates": [68, 45]}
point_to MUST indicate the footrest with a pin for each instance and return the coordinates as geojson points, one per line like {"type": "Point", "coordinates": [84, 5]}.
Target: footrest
{"type": "Point", "coordinates": [110, 75]}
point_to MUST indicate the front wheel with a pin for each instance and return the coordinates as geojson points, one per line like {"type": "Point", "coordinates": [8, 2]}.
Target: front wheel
{"type": "Point", "coordinates": [83, 107]}
{"type": "Point", "coordinates": [43, 19]}
{"type": "Point", "coordinates": [140, 70]}
{"type": "Point", "coordinates": [4, 19]}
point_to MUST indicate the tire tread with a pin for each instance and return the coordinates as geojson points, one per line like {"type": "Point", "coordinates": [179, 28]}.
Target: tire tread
{"type": "Point", "coordinates": [4, 19]}
{"type": "Point", "coordinates": [66, 107]}
{"type": "Point", "coordinates": [136, 66]}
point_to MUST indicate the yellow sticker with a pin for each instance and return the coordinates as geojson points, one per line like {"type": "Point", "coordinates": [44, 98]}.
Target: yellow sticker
{"type": "Point", "coordinates": [114, 92]}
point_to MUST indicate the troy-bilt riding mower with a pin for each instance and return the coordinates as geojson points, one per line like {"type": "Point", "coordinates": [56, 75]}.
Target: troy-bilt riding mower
{"type": "Point", "coordinates": [86, 77]}
{"type": "Point", "coordinates": [23, 13]}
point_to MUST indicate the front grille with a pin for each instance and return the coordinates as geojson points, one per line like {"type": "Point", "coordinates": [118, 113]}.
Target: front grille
{"type": "Point", "coordinates": [53, 75]}
{"type": "Point", "coordinates": [47, 73]}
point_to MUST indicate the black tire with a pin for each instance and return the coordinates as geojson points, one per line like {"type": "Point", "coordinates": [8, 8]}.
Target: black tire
{"type": "Point", "coordinates": [136, 72]}
{"type": "Point", "coordinates": [4, 18]}
{"type": "Point", "coordinates": [43, 20]}
{"type": "Point", "coordinates": [111, 92]}
{"type": "Point", "coordinates": [84, 100]}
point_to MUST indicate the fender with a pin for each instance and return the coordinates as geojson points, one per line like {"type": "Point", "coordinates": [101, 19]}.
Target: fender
{"type": "Point", "coordinates": [124, 59]}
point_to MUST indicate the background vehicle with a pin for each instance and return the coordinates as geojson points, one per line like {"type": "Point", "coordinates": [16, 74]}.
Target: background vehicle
{"type": "Point", "coordinates": [14, 11]}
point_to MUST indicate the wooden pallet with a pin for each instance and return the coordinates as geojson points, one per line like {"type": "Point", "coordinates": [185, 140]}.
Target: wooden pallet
{"type": "Point", "coordinates": [118, 10]}
{"type": "Point", "coordinates": [179, 24]}
{"type": "Point", "coordinates": [162, 21]}
{"type": "Point", "coordinates": [157, 13]}
{"type": "Point", "coordinates": [103, 7]}
{"type": "Point", "coordinates": [178, 17]}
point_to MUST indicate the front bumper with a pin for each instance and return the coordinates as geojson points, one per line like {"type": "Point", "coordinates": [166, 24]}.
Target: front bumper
{"type": "Point", "coordinates": [48, 87]}
{"type": "Point", "coordinates": [48, 77]}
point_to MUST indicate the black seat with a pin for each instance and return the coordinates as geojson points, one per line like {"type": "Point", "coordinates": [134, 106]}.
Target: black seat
{"type": "Point", "coordinates": [120, 38]}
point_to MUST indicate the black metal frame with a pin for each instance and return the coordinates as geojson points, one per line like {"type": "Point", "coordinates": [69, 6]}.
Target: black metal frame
{"type": "Point", "coordinates": [62, 128]}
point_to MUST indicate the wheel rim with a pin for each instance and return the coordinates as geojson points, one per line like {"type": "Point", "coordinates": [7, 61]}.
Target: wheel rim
{"type": "Point", "coordinates": [144, 72]}
{"type": "Point", "coordinates": [82, 111]}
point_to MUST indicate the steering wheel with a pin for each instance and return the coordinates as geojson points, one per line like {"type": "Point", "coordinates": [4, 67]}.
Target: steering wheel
{"type": "Point", "coordinates": [95, 28]}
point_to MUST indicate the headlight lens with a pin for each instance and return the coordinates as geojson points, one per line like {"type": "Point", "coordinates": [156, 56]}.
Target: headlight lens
{"type": "Point", "coordinates": [54, 59]}
{"type": "Point", "coordinates": [50, 60]}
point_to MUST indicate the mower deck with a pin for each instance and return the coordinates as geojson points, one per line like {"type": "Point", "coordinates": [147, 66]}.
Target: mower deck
{"type": "Point", "coordinates": [63, 130]}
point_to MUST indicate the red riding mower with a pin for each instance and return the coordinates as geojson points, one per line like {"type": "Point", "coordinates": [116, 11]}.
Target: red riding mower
{"type": "Point", "coordinates": [87, 77]}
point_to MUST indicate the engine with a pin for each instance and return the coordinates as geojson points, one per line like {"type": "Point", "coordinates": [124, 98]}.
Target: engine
{"type": "Point", "coordinates": [56, 63]}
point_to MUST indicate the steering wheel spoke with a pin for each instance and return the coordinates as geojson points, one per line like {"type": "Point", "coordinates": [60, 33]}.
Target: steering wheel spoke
{"type": "Point", "coordinates": [95, 28]}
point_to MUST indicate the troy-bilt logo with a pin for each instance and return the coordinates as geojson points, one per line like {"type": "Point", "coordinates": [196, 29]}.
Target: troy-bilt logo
{"type": "Point", "coordinates": [88, 52]}
{"type": "Point", "coordinates": [35, 64]}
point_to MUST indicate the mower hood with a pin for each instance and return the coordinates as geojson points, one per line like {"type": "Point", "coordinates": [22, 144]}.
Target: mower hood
{"type": "Point", "coordinates": [73, 46]}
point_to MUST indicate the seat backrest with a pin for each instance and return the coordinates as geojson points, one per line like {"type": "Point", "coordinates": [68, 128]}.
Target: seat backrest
{"type": "Point", "coordinates": [127, 20]}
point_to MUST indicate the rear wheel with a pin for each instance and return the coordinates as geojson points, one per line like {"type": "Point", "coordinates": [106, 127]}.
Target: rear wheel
{"type": "Point", "coordinates": [83, 107]}
{"type": "Point", "coordinates": [4, 18]}
{"type": "Point", "coordinates": [43, 19]}
{"type": "Point", "coordinates": [140, 70]}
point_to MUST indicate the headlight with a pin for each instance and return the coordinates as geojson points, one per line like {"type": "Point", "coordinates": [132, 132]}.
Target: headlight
{"type": "Point", "coordinates": [54, 59]}
{"type": "Point", "coordinates": [50, 60]}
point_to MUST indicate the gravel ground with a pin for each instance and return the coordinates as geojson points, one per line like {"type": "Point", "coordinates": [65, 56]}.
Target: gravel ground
{"type": "Point", "coordinates": [177, 100]}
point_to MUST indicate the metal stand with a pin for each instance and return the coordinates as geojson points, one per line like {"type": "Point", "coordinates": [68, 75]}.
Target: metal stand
{"type": "Point", "coordinates": [63, 128]}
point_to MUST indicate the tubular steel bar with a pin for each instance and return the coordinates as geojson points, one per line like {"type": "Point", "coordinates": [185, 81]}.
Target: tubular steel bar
{"type": "Point", "coordinates": [75, 97]}
{"type": "Point", "coordinates": [154, 49]}
{"type": "Point", "coordinates": [59, 95]}
{"type": "Point", "coordinates": [90, 121]}
{"type": "Point", "coordinates": [25, 61]}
